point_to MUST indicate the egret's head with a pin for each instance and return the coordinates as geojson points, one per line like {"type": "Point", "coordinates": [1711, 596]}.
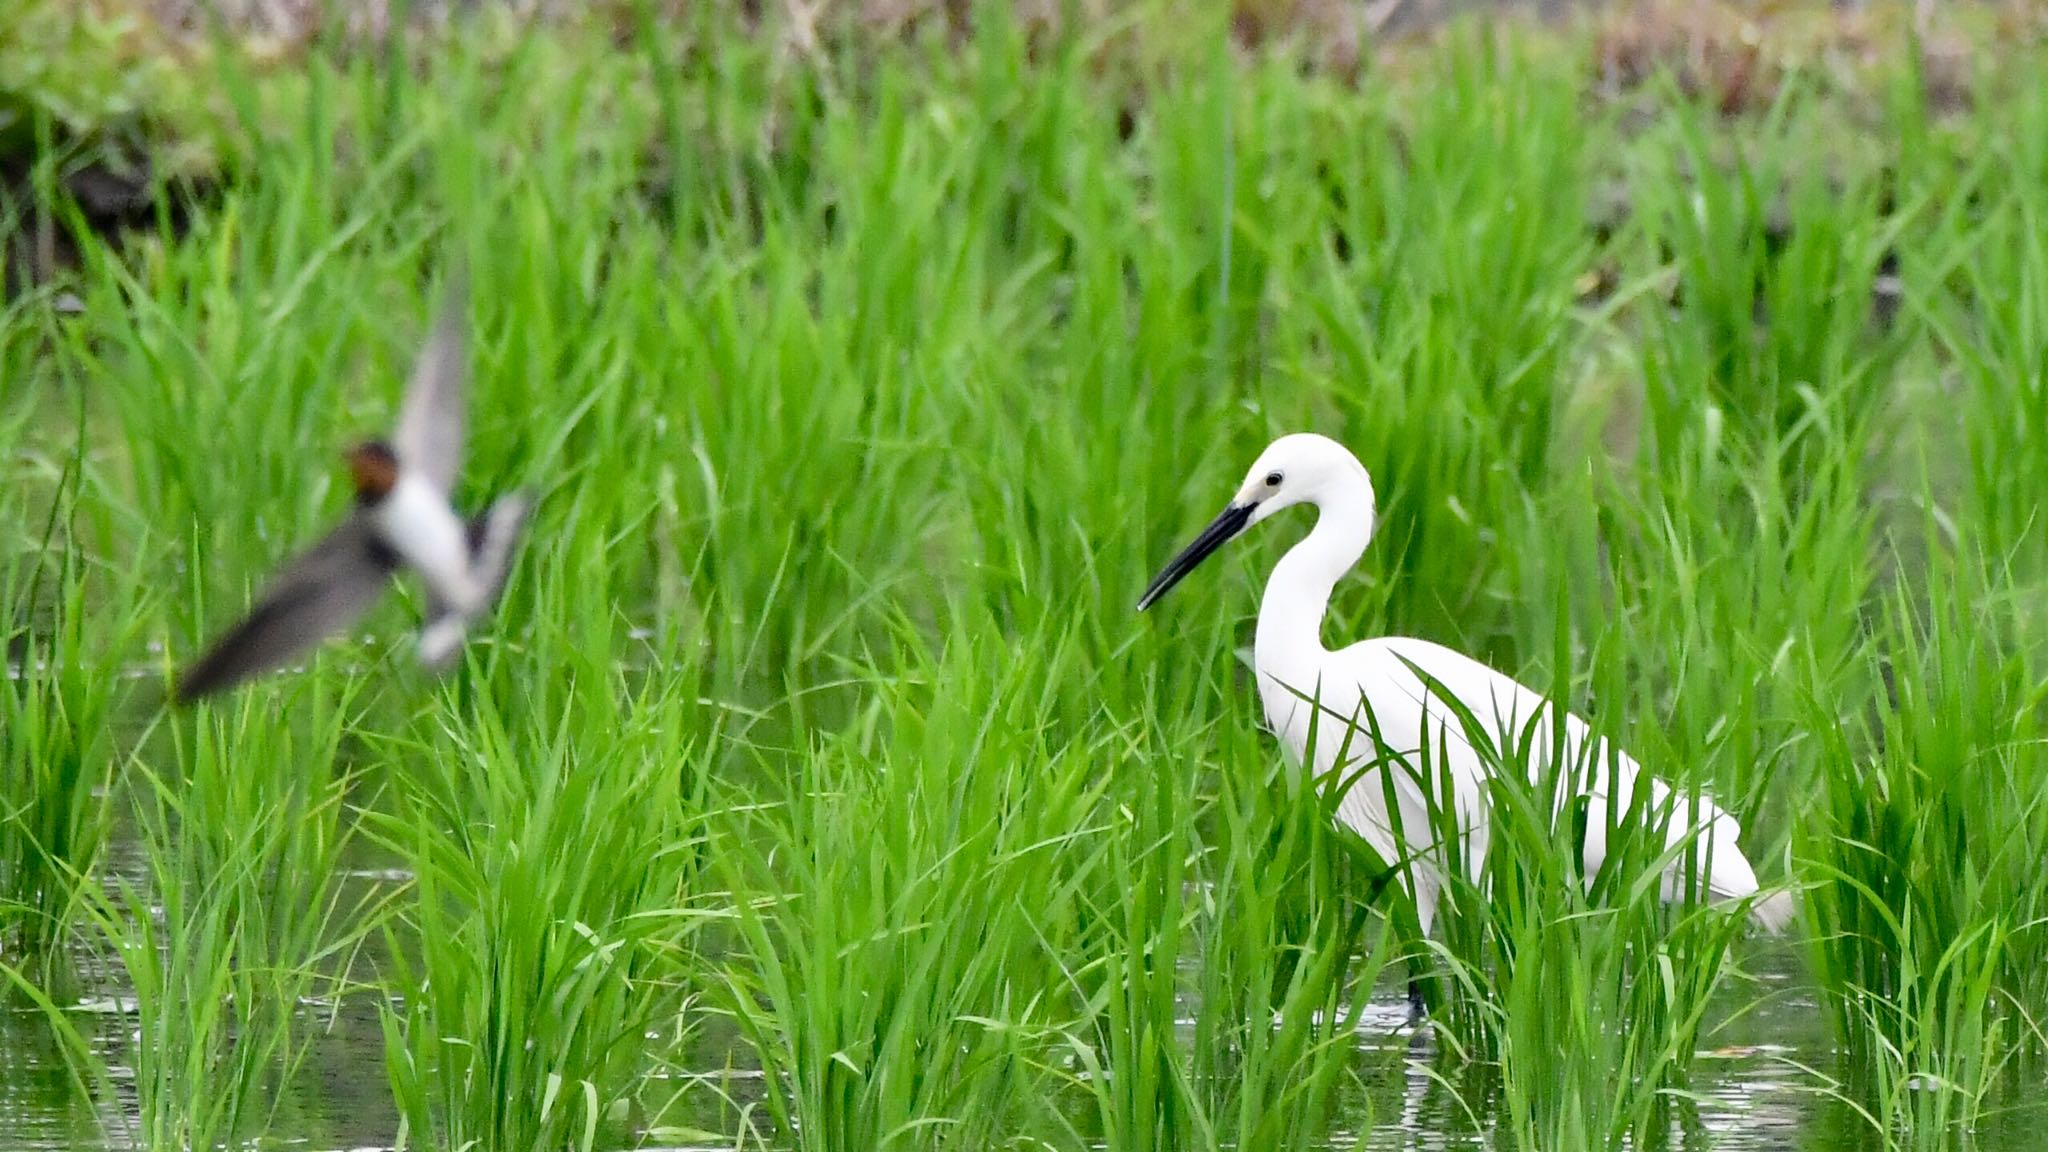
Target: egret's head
{"type": "Point", "coordinates": [1301, 468]}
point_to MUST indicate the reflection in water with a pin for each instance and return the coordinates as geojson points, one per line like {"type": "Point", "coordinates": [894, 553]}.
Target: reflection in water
{"type": "Point", "coordinates": [39, 1107]}
{"type": "Point", "coordinates": [1761, 1084]}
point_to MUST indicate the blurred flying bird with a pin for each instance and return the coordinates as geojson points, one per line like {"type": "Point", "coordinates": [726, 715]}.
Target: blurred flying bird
{"type": "Point", "coordinates": [402, 519]}
{"type": "Point", "coordinates": [1395, 699]}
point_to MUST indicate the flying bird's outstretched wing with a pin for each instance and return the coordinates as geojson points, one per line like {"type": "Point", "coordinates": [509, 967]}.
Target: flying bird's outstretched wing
{"type": "Point", "coordinates": [431, 424]}
{"type": "Point", "coordinates": [324, 591]}
{"type": "Point", "coordinates": [492, 537]}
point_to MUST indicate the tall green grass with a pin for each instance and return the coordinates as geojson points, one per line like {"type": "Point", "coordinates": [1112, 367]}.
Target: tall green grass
{"type": "Point", "coordinates": [863, 390]}
{"type": "Point", "coordinates": [237, 937]}
{"type": "Point", "coordinates": [1927, 860]}
{"type": "Point", "coordinates": [63, 655]}
{"type": "Point", "coordinates": [536, 947]}
{"type": "Point", "coordinates": [57, 753]}
{"type": "Point", "coordinates": [903, 903]}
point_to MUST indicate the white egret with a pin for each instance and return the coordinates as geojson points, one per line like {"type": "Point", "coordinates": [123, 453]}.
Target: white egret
{"type": "Point", "coordinates": [1400, 685]}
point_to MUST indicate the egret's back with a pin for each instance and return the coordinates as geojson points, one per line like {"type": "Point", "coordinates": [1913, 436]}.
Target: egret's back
{"type": "Point", "coordinates": [1395, 687]}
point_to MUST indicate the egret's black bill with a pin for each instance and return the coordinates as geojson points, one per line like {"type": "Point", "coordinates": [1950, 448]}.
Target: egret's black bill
{"type": "Point", "coordinates": [1222, 528]}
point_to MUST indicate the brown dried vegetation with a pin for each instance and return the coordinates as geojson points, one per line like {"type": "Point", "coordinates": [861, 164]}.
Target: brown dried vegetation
{"type": "Point", "coordinates": [125, 96]}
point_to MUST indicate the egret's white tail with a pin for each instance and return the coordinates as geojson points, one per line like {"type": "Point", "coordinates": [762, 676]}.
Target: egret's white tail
{"type": "Point", "coordinates": [1729, 876]}
{"type": "Point", "coordinates": [1774, 912]}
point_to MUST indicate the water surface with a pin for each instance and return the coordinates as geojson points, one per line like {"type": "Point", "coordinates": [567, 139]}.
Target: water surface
{"type": "Point", "coordinates": [1760, 1084]}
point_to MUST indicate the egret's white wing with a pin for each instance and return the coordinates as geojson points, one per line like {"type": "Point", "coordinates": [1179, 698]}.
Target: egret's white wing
{"type": "Point", "coordinates": [1361, 695]}
{"type": "Point", "coordinates": [432, 422]}
{"type": "Point", "coordinates": [1402, 677]}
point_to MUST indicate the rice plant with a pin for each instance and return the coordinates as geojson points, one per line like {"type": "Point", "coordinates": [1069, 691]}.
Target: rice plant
{"type": "Point", "coordinates": [903, 906]}
{"type": "Point", "coordinates": [236, 937]}
{"type": "Point", "coordinates": [535, 946]}
{"type": "Point", "coordinates": [1923, 840]}
{"type": "Point", "coordinates": [61, 660]}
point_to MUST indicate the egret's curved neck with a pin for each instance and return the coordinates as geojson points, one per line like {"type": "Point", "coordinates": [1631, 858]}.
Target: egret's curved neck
{"type": "Point", "coordinates": [1298, 593]}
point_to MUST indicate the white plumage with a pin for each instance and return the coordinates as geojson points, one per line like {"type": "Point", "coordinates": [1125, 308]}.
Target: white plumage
{"type": "Point", "coordinates": [462, 564]}
{"type": "Point", "coordinates": [422, 527]}
{"type": "Point", "coordinates": [1401, 683]}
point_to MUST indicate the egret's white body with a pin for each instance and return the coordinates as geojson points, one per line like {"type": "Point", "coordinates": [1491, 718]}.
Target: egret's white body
{"type": "Point", "coordinates": [1345, 706]}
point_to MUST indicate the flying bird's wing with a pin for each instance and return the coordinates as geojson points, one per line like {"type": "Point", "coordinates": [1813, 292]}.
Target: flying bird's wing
{"type": "Point", "coordinates": [493, 536]}
{"type": "Point", "coordinates": [430, 429]}
{"type": "Point", "coordinates": [324, 591]}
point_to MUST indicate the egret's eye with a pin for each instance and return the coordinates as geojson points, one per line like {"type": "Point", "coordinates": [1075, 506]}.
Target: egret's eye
{"type": "Point", "coordinates": [1273, 479]}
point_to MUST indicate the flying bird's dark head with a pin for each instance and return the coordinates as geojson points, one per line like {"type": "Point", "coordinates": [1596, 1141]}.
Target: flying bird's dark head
{"type": "Point", "coordinates": [374, 468]}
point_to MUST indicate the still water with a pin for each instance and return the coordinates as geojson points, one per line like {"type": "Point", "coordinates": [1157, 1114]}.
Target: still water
{"type": "Point", "coordinates": [1761, 1083]}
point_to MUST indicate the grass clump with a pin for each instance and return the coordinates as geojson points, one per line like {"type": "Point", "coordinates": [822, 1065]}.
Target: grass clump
{"type": "Point", "coordinates": [904, 903]}
{"type": "Point", "coordinates": [62, 661]}
{"type": "Point", "coordinates": [537, 943]}
{"type": "Point", "coordinates": [57, 758]}
{"type": "Point", "coordinates": [237, 936]}
{"type": "Point", "coordinates": [1924, 839]}
{"type": "Point", "coordinates": [1233, 959]}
